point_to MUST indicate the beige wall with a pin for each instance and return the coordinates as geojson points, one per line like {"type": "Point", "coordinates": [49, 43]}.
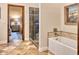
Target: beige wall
{"type": "Point", "coordinates": [3, 23]}
{"type": "Point", "coordinates": [50, 18]}
{"type": "Point", "coordinates": [3, 20]}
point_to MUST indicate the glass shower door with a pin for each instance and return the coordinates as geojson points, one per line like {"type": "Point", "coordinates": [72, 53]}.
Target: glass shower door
{"type": "Point", "coordinates": [31, 23]}
{"type": "Point", "coordinates": [34, 25]}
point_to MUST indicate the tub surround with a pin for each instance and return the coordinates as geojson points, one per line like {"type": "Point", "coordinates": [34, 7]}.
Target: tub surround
{"type": "Point", "coordinates": [62, 46]}
{"type": "Point", "coordinates": [65, 41]}
{"type": "Point", "coordinates": [64, 34]}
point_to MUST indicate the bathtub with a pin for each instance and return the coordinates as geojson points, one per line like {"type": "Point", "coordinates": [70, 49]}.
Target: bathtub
{"type": "Point", "coordinates": [62, 46]}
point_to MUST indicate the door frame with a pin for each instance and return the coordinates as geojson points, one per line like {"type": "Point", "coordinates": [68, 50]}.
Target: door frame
{"type": "Point", "coordinates": [78, 32]}
{"type": "Point", "coordinates": [23, 36]}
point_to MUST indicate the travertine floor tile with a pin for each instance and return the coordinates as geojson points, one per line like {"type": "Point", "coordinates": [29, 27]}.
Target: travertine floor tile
{"type": "Point", "coordinates": [24, 48]}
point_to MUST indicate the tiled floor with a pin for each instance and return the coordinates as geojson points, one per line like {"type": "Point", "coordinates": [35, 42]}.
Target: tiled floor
{"type": "Point", "coordinates": [24, 48]}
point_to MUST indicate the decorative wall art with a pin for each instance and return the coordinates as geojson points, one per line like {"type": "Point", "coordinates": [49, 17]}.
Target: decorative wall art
{"type": "Point", "coordinates": [71, 14]}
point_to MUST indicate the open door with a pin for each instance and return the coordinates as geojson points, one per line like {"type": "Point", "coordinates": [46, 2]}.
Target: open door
{"type": "Point", "coordinates": [15, 23]}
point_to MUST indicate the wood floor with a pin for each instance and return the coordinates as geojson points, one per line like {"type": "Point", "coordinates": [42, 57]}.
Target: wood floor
{"type": "Point", "coordinates": [23, 48]}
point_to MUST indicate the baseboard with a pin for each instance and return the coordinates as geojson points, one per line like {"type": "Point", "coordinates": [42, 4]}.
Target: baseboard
{"type": "Point", "coordinates": [3, 42]}
{"type": "Point", "coordinates": [43, 49]}
{"type": "Point", "coordinates": [26, 38]}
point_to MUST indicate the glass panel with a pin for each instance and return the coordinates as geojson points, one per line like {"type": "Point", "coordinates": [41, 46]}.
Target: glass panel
{"type": "Point", "coordinates": [34, 25]}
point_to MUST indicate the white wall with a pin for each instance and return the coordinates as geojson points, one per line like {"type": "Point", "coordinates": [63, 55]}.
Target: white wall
{"type": "Point", "coordinates": [3, 20]}
{"type": "Point", "coordinates": [50, 18]}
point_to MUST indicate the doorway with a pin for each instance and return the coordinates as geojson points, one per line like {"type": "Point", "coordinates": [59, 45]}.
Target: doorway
{"type": "Point", "coordinates": [15, 23]}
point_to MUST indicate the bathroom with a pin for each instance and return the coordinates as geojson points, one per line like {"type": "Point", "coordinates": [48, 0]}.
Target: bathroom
{"type": "Point", "coordinates": [50, 22]}
{"type": "Point", "coordinates": [54, 19]}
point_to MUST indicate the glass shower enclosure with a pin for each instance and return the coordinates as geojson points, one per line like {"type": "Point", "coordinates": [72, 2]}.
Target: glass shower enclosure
{"type": "Point", "coordinates": [34, 25]}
